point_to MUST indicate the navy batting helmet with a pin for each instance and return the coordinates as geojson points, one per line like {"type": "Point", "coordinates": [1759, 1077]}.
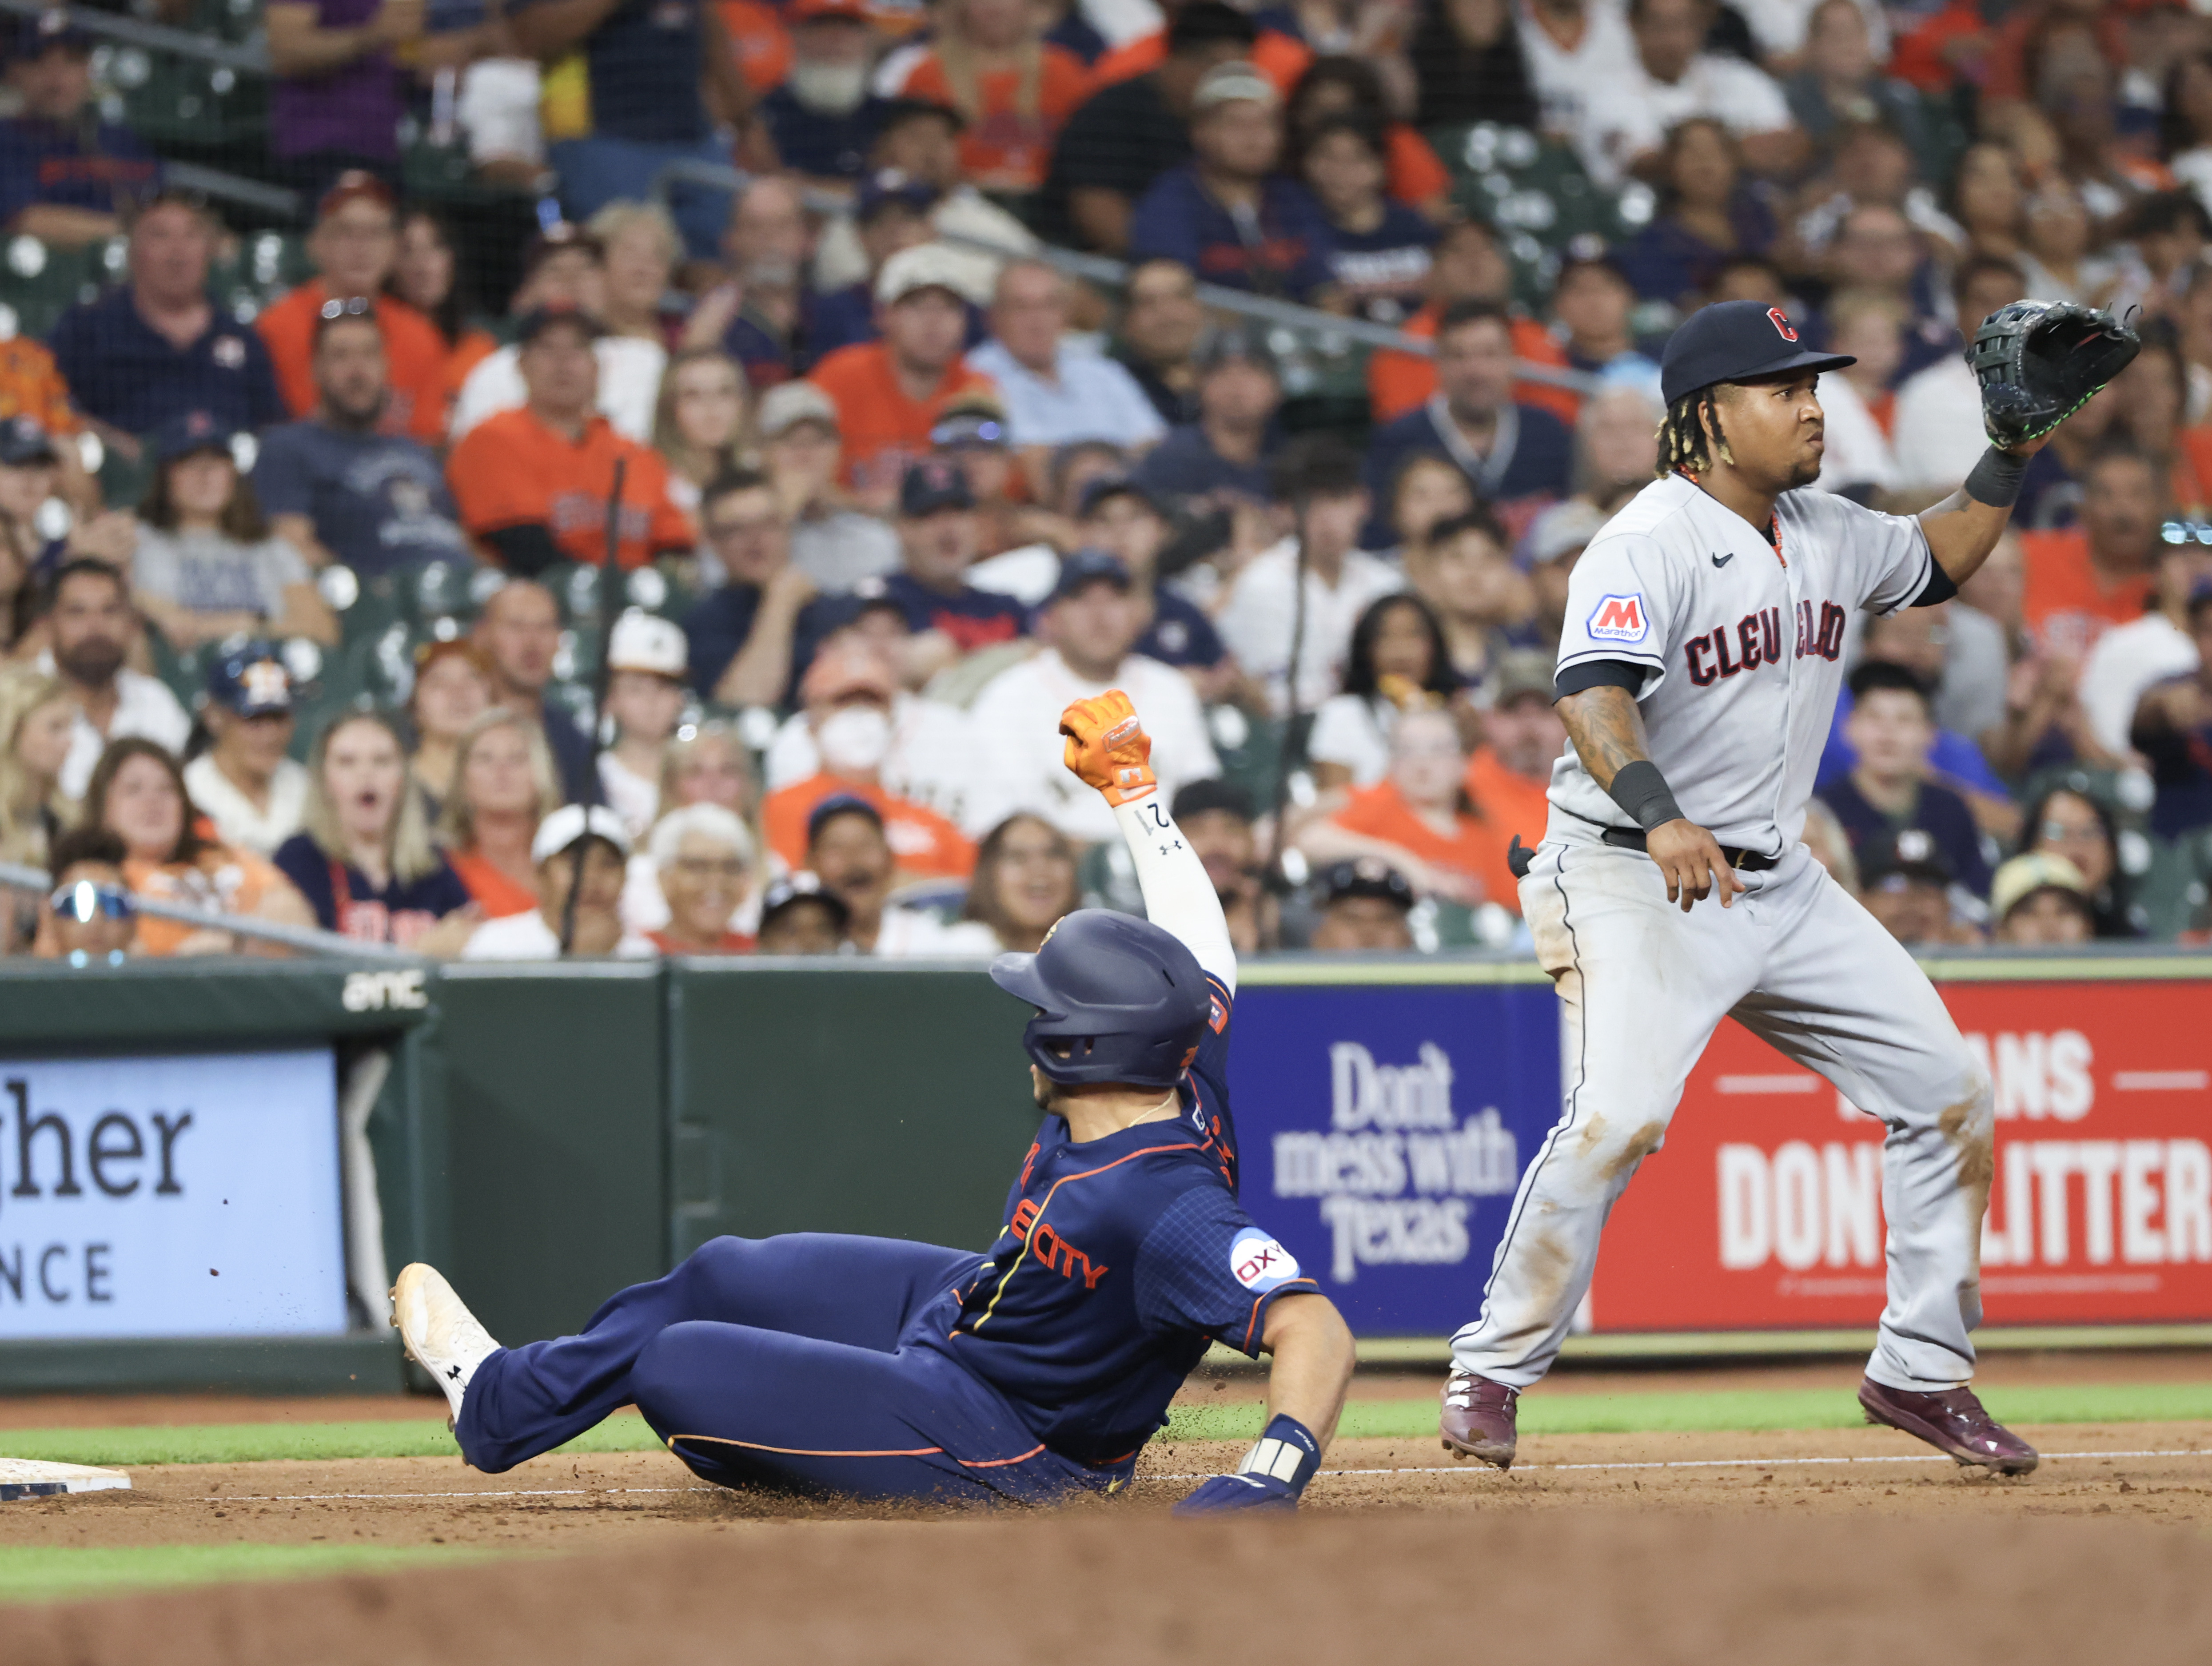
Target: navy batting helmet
{"type": "Point", "coordinates": [1117, 999]}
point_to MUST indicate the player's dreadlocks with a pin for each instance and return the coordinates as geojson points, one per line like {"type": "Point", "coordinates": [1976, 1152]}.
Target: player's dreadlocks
{"type": "Point", "coordinates": [1683, 448]}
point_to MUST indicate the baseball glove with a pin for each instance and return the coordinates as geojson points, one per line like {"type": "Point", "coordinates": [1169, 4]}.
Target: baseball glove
{"type": "Point", "coordinates": [2040, 361]}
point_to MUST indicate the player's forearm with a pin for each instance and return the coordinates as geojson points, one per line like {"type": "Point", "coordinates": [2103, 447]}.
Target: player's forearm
{"type": "Point", "coordinates": [1606, 729]}
{"type": "Point", "coordinates": [1961, 532]}
{"type": "Point", "coordinates": [1313, 1357]}
{"type": "Point", "coordinates": [1179, 898]}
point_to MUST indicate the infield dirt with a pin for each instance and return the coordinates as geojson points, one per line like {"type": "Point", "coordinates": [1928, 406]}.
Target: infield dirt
{"type": "Point", "coordinates": [1836, 1546]}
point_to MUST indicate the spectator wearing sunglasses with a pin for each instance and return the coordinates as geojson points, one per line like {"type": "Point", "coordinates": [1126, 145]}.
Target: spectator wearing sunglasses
{"type": "Point", "coordinates": [89, 918]}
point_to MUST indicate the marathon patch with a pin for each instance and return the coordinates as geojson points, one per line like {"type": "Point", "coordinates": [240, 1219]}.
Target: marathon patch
{"type": "Point", "coordinates": [1617, 619]}
{"type": "Point", "coordinates": [1259, 1263]}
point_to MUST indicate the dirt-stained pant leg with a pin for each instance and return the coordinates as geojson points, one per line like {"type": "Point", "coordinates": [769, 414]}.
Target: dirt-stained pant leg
{"type": "Point", "coordinates": [1641, 987]}
{"type": "Point", "coordinates": [1842, 997]}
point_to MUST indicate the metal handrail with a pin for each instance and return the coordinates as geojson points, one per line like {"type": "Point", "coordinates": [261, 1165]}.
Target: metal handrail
{"type": "Point", "coordinates": [1103, 269]}
{"type": "Point", "coordinates": [153, 37]}
{"type": "Point", "coordinates": [15, 876]}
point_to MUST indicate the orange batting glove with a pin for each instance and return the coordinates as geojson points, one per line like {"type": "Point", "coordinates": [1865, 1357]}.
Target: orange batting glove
{"type": "Point", "coordinates": [1107, 746]}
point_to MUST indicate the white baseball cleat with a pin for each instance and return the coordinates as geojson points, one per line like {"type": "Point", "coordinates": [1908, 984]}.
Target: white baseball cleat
{"type": "Point", "coordinates": [440, 1334]}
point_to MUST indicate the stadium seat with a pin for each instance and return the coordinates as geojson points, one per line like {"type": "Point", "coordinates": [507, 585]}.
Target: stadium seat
{"type": "Point", "coordinates": [39, 281]}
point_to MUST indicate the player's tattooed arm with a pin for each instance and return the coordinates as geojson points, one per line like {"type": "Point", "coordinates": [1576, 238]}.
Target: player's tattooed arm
{"type": "Point", "coordinates": [1607, 732]}
{"type": "Point", "coordinates": [1964, 528]}
{"type": "Point", "coordinates": [1606, 729]}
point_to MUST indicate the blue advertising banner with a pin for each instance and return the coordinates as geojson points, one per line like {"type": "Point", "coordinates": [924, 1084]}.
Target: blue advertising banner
{"type": "Point", "coordinates": [1383, 1129]}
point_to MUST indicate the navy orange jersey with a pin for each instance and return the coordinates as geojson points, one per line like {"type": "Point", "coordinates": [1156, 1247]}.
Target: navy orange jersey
{"type": "Point", "coordinates": [1121, 1260]}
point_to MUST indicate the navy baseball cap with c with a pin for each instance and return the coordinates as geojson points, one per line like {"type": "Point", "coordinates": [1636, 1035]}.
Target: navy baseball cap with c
{"type": "Point", "coordinates": [1736, 340]}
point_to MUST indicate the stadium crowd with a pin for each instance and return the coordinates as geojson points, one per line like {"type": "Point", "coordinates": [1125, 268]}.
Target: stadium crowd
{"type": "Point", "coordinates": [300, 604]}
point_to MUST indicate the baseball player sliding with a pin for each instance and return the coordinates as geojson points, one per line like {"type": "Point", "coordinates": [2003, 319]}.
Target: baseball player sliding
{"type": "Point", "coordinates": [882, 1369]}
{"type": "Point", "coordinates": [1697, 675]}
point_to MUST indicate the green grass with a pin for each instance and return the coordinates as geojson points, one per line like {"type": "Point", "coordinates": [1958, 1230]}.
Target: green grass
{"type": "Point", "coordinates": [52, 1572]}
{"type": "Point", "coordinates": [1658, 1412]}
{"type": "Point", "coordinates": [1744, 1410]}
{"type": "Point", "coordinates": [254, 1443]}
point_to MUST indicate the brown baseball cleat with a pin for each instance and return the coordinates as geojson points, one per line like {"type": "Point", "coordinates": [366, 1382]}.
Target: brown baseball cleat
{"type": "Point", "coordinates": [1478, 1418]}
{"type": "Point", "coordinates": [1953, 1421]}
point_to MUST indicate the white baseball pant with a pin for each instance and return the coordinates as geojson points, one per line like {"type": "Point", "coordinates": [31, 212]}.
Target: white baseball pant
{"type": "Point", "coordinates": [1642, 987]}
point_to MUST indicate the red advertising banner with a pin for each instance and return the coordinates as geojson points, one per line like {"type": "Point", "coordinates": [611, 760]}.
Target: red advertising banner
{"type": "Point", "coordinates": [1763, 1210]}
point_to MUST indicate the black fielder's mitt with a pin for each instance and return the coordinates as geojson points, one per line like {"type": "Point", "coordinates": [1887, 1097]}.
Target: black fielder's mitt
{"type": "Point", "coordinates": [2039, 361]}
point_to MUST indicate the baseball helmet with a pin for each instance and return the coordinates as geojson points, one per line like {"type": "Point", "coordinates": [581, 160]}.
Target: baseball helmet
{"type": "Point", "coordinates": [1117, 1000]}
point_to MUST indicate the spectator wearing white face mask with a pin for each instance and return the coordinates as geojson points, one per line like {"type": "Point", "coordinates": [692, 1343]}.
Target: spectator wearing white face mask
{"type": "Point", "coordinates": [848, 694]}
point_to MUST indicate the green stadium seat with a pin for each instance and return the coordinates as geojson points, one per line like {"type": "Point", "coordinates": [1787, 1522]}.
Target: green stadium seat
{"type": "Point", "coordinates": [39, 281]}
{"type": "Point", "coordinates": [1250, 750]}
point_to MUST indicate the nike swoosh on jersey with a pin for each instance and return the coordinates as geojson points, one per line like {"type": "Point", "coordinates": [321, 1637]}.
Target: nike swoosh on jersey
{"type": "Point", "coordinates": [1722, 560]}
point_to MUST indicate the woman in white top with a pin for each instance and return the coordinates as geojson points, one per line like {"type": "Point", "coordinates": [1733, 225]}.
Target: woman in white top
{"type": "Point", "coordinates": [206, 565]}
{"type": "Point", "coordinates": [699, 422]}
{"type": "Point", "coordinates": [1397, 658]}
{"type": "Point", "coordinates": [244, 782]}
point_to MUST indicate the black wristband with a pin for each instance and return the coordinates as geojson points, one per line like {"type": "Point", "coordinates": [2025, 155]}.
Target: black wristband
{"type": "Point", "coordinates": [1641, 791]}
{"type": "Point", "coordinates": [1995, 480]}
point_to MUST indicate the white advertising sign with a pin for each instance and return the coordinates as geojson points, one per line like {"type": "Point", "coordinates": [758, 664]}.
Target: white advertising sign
{"type": "Point", "coordinates": [186, 1197]}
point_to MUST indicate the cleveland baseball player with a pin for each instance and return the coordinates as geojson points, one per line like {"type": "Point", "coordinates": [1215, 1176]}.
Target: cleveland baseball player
{"type": "Point", "coordinates": [883, 1369]}
{"type": "Point", "coordinates": [1697, 674]}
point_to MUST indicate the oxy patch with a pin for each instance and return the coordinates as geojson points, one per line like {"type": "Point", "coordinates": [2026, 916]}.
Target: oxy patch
{"type": "Point", "coordinates": [1259, 1263]}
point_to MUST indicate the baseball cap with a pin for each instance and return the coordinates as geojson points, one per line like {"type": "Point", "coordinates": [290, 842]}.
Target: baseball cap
{"type": "Point", "coordinates": [788, 405]}
{"type": "Point", "coordinates": [845, 670]}
{"type": "Point", "coordinates": [571, 822]}
{"type": "Point", "coordinates": [1734, 341]}
{"type": "Point", "coordinates": [973, 419]}
{"type": "Point", "coordinates": [24, 440]}
{"type": "Point", "coordinates": [250, 680]}
{"type": "Point", "coordinates": [1204, 797]}
{"type": "Point", "coordinates": [1564, 529]}
{"type": "Point", "coordinates": [897, 113]}
{"type": "Point", "coordinates": [354, 183]}
{"type": "Point", "coordinates": [1911, 856]}
{"type": "Point", "coordinates": [802, 886]}
{"type": "Point", "coordinates": [806, 11]}
{"type": "Point", "coordinates": [1239, 78]}
{"type": "Point", "coordinates": [933, 484]}
{"type": "Point", "coordinates": [832, 614]}
{"type": "Point", "coordinates": [187, 432]}
{"type": "Point", "coordinates": [837, 804]}
{"type": "Point", "coordinates": [1524, 672]}
{"type": "Point", "coordinates": [538, 319]}
{"type": "Point", "coordinates": [2018, 880]}
{"type": "Point", "coordinates": [890, 187]}
{"type": "Point", "coordinates": [37, 36]}
{"type": "Point", "coordinates": [642, 641]}
{"type": "Point", "coordinates": [1364, 876]}
{"type": "Point", "coordinates": [1235, 343]}
{"type": "Point", "coordinates": [1104, 489]}
{"type": "Point", "coordinates": [925, 266]}
{"type": "Point", "coordinates": [1086, 567]}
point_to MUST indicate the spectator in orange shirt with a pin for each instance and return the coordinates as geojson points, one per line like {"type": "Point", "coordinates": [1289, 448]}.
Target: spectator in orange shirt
{"type": "Point", "coordinates": [354, 245]}
{"type": "Point", "coordinates": [848, 694]}
{"type": "Point", "coordinates": [1468, 264]}
{"type": "Point", "coordinates": [533, 483]}
{"type": "Point", "coordinates": [1419, 820]}
{"type": "Point", "coordinates": [426, 274]}
{"type": "Point", "coordinates": [2085, 579]}
{"type": "Point", "coordinates": [30, 385]}
{"type": "Point", "coordinates": [1510, 772]}
{"type": "Point", "coordinates": [890, 393]}
{"type": "Point", "coordinates": [1014, 90]}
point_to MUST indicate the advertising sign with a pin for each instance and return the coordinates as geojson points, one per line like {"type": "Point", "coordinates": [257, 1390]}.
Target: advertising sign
{"type": "Point", "coordinates": [1763, 1208]}
{"type": "Point", "coordinates": [181, 1196]}
{"type": "Point", "coordinates": [1383, 1130]}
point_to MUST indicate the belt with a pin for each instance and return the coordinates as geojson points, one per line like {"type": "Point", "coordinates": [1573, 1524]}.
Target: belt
{"type": "Point", "coordinates": [1633, 839]}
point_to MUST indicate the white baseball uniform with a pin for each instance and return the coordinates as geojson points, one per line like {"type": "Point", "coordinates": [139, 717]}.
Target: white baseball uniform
{"type": "Point", "coordinates": [1741, 646]}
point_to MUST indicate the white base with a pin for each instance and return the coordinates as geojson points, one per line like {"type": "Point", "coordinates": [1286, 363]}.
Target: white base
{"type": "Point", "coordinates": [21, 1478]}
